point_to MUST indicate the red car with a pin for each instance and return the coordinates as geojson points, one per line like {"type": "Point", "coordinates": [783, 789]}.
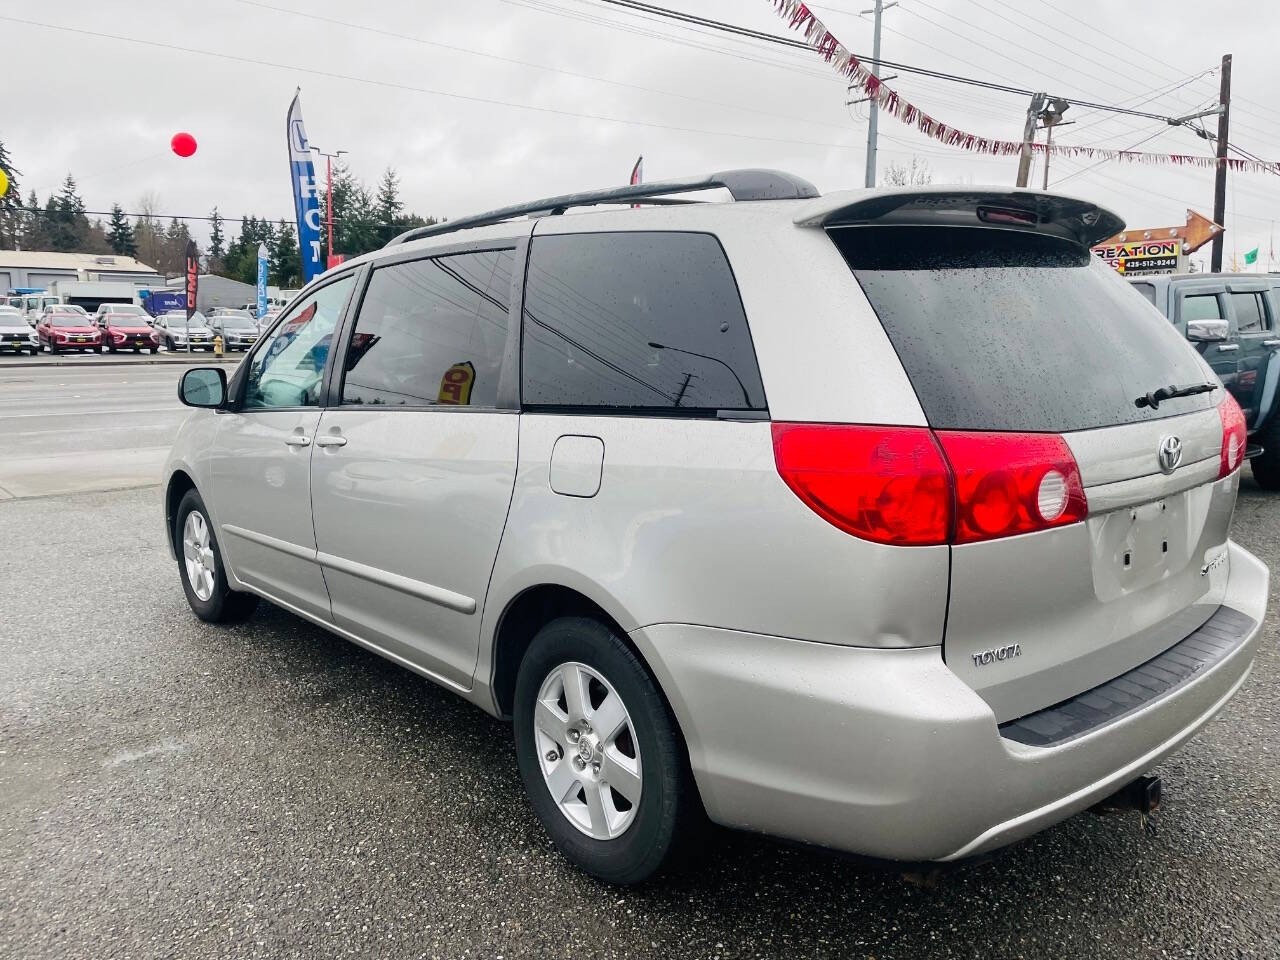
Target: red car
{"type": "Point", "coordinates": [65, 328]}
{"type": "Point", "coordinates": [127, 331]}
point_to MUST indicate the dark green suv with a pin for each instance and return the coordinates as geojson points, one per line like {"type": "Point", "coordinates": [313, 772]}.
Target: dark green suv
{"type": "Point", "coordinates": [1234, 321]}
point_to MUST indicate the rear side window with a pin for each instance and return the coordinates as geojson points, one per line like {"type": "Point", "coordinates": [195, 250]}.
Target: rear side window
{"type": "Point", "coordinates": [1014, 331]}
{"type": "Point", "coordinates": [1250, 312]}
{"type": "Point", "coordinates": [431, 332]}
{"type": "Point", "coordinates": [1201, 306]}
{"type": "Point", "coordinates": [636, 322]}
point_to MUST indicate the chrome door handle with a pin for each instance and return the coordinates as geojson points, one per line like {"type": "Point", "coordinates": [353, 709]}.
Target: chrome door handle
{"type": "Point", "coordinates": [1271, 343]}
{"type": "Point", "coordinates": [297, 440]}
{"type": "Point", "coordinates": [331, 441]}
{"type": "Point", "coordinates": [1228, 347]}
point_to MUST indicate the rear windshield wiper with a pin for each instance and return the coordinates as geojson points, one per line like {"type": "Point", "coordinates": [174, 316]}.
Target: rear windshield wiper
{"type": "Point", "coordinates": [1159, 395]}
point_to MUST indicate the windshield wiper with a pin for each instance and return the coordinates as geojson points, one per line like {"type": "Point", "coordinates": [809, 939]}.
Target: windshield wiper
{"type": "Point", "coordinates": [1159, 395]}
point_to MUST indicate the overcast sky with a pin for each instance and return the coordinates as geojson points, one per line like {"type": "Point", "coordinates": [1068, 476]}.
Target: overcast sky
{"type": "Point", "coordinates": [596, 86]}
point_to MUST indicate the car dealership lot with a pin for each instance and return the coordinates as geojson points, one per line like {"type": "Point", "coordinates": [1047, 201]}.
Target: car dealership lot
{"type": "Point", "coordinates": [168, 788]}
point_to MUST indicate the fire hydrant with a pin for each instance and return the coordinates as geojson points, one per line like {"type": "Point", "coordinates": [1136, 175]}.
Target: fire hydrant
{"type": "Point", "coordinates": [217, 345]}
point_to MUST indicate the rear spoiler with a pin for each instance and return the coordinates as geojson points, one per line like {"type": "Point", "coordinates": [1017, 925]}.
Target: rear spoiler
{"type": "Point", "coordinates": [1031, 210]}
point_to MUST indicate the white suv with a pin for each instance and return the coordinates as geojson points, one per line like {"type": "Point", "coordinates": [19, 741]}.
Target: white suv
{"type": "Point", "coordinates": [889, 521]}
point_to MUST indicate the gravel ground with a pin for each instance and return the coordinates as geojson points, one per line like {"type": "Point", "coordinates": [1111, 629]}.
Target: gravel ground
{"type": "Point", "coordinates": [170, 789]}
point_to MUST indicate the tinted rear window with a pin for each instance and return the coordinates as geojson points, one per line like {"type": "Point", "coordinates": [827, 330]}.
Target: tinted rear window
{"type": "Point", "coordinates": [1004, 330]}
{"type": "Point", "coordinates": [1250, 313]}
{"type": "Point", "coordinates": [636, 322]}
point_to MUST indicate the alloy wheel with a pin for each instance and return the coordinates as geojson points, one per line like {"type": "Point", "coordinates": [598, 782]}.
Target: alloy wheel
{"type": "Point", "coordinates": [587, 750]}
{"type": "Point", "coordinates": [197, 555]}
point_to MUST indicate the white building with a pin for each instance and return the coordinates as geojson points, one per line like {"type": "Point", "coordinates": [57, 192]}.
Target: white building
{"type": "Point", "coordinates": [37, 269]}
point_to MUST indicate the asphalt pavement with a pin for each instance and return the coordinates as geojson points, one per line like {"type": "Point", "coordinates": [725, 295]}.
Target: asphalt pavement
{"type": "Point", "coordinates": [174, 789]}
{"type": "Point", "coordinates": [87, 423]}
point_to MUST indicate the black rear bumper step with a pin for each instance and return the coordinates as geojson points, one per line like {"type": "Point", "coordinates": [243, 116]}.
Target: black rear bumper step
{"type": "Point", "coordinates": [1213, 642]}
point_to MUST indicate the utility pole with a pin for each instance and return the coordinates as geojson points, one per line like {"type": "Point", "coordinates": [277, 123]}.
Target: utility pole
{"type": "Point", "coordinates": [1028, 137]}
{"type": "Point", "coordinates": [1050, 117]}
{"type": "Point", "coordinates": [1220, 175]}
{"type": "Point", "coordinates": [873, 121]}
{"type": "Point", "coordinates": [328, 202]}
{"type": "Point", "coordinates": [683, 387]}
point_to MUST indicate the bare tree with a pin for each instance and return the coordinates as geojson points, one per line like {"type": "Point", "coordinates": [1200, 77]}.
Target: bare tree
{"type": "Point", "coordinates": [147, 231]}
{"type": "Point", "coordinates": [917, 174]}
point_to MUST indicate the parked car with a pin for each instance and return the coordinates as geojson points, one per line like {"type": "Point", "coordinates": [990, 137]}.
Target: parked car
{"type": "Point", "coordinates": [63, 328]}
{"type": "Point", "coordinates": [123, 310]}
{"type": "Point", "coordinates": [238, 329]}
{"type": "Point", "coordinates": [176, 332]}
{"type": "Point", "coordinates": [15, 333]}
{"type": "Point", "coordinates": [34, 305]}
{"type": "Point", "coordinates": [929, 553]}
{"type": "Point", "coordinates": [126, 329]}
{"type": "Point", "coordinates": [1233, 319]}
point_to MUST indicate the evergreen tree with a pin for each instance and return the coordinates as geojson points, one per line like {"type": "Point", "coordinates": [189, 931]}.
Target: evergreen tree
{"type": "Point", "coordinates": [11, 212]}
{"type": "Point", "coordinates": [388, 205]}
{"type": "Point", "coordinates": [216, 240]}
{"type": "Point", "coordinates": [285, 268]}
{"type": "Point", "coordinates": [120, 233]}
{"type": "Point", "coordinates": [69, 225]}
{"type": "Point", "coordinates": [36, 232]}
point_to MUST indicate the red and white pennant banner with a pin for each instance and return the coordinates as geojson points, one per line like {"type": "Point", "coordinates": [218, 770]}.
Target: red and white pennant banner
{"type": "Point", "coordinates": [801, 18]}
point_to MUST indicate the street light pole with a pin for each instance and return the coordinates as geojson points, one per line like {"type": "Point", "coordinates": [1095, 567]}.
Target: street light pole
{"type": "Point", "coordinates": [746, 398]}
{"type": "Point", "coordinates": [328, 195]}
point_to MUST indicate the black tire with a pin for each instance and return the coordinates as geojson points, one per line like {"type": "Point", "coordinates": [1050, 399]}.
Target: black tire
{"type": "Point", "coordinates": [668, 813]}
{"type": "Point", "coordinates": [1266, 465]}
{"type": "Point", "coordinates": [53, 349]}
{"type": "Point", "coordinates": [224, 605]}
{"type": "Point", "coordinates": [152, 350]}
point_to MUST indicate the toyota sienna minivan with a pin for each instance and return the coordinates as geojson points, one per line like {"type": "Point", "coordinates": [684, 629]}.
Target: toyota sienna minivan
{"type": "Point", "coordinates": [889, 521]}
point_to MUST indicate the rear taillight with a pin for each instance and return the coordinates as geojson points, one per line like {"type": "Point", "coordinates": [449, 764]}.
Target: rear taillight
{"type": "Point", "coordinates": [1234, 436]}
{"type": "Point", "coordinates": [911, 486]}
{"type": "Point", "coordinates": [887, 484]}
{"type": "Point", "coordinates": [1012, 483]}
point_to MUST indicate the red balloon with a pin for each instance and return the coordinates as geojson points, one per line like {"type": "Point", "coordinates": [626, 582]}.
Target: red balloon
{"type": "Point", "coordinates": [184, 144]}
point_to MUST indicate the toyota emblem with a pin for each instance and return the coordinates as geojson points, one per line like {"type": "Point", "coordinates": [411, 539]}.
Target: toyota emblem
{"type": "Point", "coordinates": [1170, 454]}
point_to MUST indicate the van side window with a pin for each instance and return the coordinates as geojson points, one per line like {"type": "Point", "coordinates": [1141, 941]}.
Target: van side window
{"type": "Point", "coordinates": [431, 333]}
{"type": "Point", "coordinates": [1250, 313]}
{"type": "Point", "coordinates": [1201, 306]}
{"type": "Point", "coordinates": [639, 322]}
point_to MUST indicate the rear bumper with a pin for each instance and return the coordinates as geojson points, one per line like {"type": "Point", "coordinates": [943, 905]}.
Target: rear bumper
{"type": "Point", "coordinates": [887, 753]}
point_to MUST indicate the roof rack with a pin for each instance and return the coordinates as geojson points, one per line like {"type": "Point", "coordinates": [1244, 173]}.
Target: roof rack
{"type": "Point", "coordinates": [741, 184]}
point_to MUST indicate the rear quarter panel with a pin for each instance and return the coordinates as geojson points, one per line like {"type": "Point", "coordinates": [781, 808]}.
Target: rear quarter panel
{"type": "Point", "coordinates": [692, 524]}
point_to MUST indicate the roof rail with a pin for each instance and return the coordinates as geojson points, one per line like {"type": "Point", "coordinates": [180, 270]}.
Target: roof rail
{"type": "Point", "coordinates": [741, 184]}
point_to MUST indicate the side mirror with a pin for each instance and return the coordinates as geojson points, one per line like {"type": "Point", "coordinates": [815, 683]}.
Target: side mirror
{"type": "Point", "coordinates": [1207, 331]}
{"type": "Point", "coordinates": [203, 387]}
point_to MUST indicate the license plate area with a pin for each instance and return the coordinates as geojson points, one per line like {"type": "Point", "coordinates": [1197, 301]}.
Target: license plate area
{"type": "Point", "coordinates": [1135, 547]}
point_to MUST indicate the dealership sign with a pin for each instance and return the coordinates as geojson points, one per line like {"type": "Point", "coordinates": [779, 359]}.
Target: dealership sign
{"type": "Point", "coordinates": [1135, 253]}
{"type": "Point", "coordinates": [1143, 257]}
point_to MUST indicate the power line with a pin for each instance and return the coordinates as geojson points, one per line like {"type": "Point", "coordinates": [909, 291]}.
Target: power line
{"type": "Point", "coordinates": [750, 33]}
{"type": "Point", "coordinates": [471, 98]}
{"type": "Point", "coordinates": [37, 211]}
{"type": "Point", "coordinates": [526, 63]}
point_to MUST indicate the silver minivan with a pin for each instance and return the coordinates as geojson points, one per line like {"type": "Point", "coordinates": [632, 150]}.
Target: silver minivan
{"type": "Point", "coordinates": [889, 521]}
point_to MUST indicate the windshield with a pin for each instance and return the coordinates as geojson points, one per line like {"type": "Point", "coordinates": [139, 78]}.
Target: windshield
{"type": "Point", "coordinates": [1015, 331]}
{"type": "Point", "coordinates": [68, 318]}
{"type": "Point", "coordinates": [123, 309]}
{"type": "Point", "coordinates": [10, 318]}
{"type": "Point", "coordinates": [237, 321]}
